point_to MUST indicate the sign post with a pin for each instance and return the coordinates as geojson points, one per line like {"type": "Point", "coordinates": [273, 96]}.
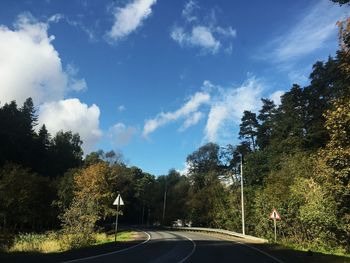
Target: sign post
{"type": "Point", "coordinates": [275, 216]}
{"type": "Point", "coordinates": [118, 202]}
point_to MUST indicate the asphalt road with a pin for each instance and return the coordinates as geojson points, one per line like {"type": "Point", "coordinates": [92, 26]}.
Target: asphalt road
{"type": "Point", "coordinates": [177, 246]}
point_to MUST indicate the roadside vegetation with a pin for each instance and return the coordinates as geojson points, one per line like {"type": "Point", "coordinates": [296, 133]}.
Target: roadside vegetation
{"type": "Point", "coordinates": [53, 242]}
{"type": "Point", "coordinates": [296, 158]}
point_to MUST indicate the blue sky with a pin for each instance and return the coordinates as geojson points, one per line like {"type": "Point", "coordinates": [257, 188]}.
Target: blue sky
{"type": "Point", "coordinates": [156, 79]}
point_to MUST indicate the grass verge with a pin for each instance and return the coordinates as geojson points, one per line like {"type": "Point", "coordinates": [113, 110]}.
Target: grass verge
{"type": "Point", "coordinates": [53, 242]}
{"type": "Point", "coordinates": [318, 249]}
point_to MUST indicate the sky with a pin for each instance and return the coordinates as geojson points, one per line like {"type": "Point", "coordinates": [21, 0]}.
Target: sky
{"type": "Point", "coordinates": [156, 79]}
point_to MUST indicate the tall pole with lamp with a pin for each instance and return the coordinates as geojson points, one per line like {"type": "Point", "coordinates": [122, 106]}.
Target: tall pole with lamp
{"type": "Point", "coordinates": [242, 192]}
{"type": "Point", "coordinates": [242, 196]}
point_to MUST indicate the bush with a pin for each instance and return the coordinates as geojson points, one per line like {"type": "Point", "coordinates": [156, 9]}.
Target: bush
{"type": "Point", "coordinates": [44, 243]}
{"type": "Point", "coordinates": [78, 224]}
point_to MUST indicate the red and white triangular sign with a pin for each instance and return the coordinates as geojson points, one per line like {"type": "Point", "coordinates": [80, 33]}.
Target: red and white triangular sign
{"type": "Point", "coordinates": [118, 200]}
{"type": "Point", "coordinates": [275, 215]}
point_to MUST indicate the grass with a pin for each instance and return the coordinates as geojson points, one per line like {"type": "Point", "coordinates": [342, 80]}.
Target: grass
{"type": "Point", "coordinates": [292, 253]}
{"type": "Point", "coordinates": [52, 242]}
{"type": "Point", "coordinates": [318, 249]}
{"type": "Point", "coordinates": [102, 238]}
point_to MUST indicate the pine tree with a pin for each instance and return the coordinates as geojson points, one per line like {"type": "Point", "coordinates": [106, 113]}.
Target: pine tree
{"type": "Point", "coordinates": [249, 129]}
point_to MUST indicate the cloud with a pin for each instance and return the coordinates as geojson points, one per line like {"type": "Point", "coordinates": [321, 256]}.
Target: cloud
{"type": "Point", "coordinates": [90, 32]}
{"type": "Point", "coordinates": [55, 18]}
{"type": "Point", "coordinates": [313, 31]}
{"type": "Point", "coordinates": [223, 107]}
{"type": "Point", "coordinates": [188, 10]}
{"type": "Point", "coordinates": [298, 76]}
{"type": "Point", "coordinates": [276, 96]}
{"type": "Point", "coordinates": [75, 23]}
{"type": "Point", "coordinates": [188, 111]}
{"type": "Point", "coordinates": [192, 120]}
{"type": "Point", "coordinates": [72, 115]}
{"type": "Point", "coordinates": [121, 108]}
{"type": "Point", "coordinates": [129, 18]}
{"type": "Point", "coordinates": [201, 33]}
{"type": "Point", "coordinates": [228, 106]}
{"type": "Point", "coordinates": [200, 36]}
{"type": "Point", "coordinates": [184, 171]}
{"type": "Point", "coordinates": [120, 134]}
{"type": "Point", "coordinates": [75, 84]}
{"type": "Point", "coordinates": [30, 66]}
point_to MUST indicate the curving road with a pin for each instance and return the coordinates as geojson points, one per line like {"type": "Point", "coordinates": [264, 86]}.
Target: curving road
{"type": "Point", "coordinates": [177, 246]}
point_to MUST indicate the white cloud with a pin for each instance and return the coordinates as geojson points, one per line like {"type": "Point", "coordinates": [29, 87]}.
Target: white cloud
{"type": "Point", "coordinates": [227, 32]}
{"type": "Point", "coordinates": [299, 76]}
{"type": "Point", "coordinates": [200, 36]}
{"type": "Point", "coordinates": [55, 18]}
{"type": "Point", "coordinates": [184, 171]}
{"type": "Point", "coordinates": [121, 108]}
{"type": "Point", "coordinates": [188, 111]}
{"type": "Point", "coordinates": [276, 96]}
{"type": "Point", "coordinates": [75, 84]}
{"type": "Point", "coordinates": [129, 18]}
{"type": "Point", "coordinates": [188, 10]}
{"type": "Point", "coordinates": [313, 32]}
{"type": "Point", "coordinates": [72, 115]}
{"type": "Point", "coordinates": [120, 134]}
{"type": "Point", "coordinates": [218, 114]}
{"type": "Point", "coordinates": [228, 106]}
{"type": "Point", "coordinates": [222, 106]}
{"type": "Point", "coordinates": [203, 34]}
{"type": "Point", "coordinates": [30, 66]}
{"type": "Point", "coordinates": [192, 120]}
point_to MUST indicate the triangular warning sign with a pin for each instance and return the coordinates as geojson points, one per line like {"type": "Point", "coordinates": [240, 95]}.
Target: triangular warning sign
{"type": "Point", "coordinates": [118, 200]}
{"type": "Point", "coordinates": [275, 215]}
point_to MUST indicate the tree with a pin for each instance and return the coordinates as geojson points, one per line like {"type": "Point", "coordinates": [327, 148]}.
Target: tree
{"type": "Point", "coordinates": [44, 138]}
{"type": "Point", "coordinates": [65, 152]}
{"type": "Point", "coordinates": [333, 166]}
{"type": "Point", "coordinates": [205, 168]}
{"type": "Point", "coordinates": [289, 130]}
{"type": "Point", "coordinates": [266, 115]}
{"type": "Point", "coordinates": [93, 192]}
{"type": "Point", "coordinates": [30, 117]}
{"type": "Point", "coordinates": [25, 199]}
{"type": "Point", "coordinates": [341, 2]}
{"type": "Point", "coordinates": [202, 162]}
{"type": "Point", "coordinates": [248, 129]}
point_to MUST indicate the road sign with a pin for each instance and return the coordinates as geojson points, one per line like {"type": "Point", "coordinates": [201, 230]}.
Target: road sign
{"type": "Point", "coordinates": [275, 215]}
{"type": "Point", "coordinates": [118, 200]}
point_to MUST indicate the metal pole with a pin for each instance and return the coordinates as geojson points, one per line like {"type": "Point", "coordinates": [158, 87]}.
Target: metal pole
{"type": "Point", "coordinates": [164, 204]}
{"type": "Point", "coordinates": [274, 222]}
{"type": "Point", "coordinates": [242, 197]}
{"type": "Point", "coordinates": [116, 222]}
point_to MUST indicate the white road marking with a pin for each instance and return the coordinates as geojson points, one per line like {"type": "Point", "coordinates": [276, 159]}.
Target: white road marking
{"type": "Point", "coordinates": [193, 249]}
{"type": "Point", "coordinates": [112, 253]}
{"type": "Point", "coordinates": [254, 248]}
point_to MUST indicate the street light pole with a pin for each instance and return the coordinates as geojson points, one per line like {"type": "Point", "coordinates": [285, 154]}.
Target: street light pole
{"type": "Point", "coordinates": [164, 203]}
{"type": "Point", "coordinates": [242, 196]}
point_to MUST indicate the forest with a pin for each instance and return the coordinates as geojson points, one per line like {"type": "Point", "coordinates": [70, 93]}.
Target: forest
{"type": "Point", "coordinates": [296, 158]}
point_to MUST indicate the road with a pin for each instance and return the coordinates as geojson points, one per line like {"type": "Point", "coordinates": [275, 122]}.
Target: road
{"type": "Point", "coordinates": [177, 246]}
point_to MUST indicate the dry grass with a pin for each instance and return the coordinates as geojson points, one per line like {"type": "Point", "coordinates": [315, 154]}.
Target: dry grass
{"type": "Point", "coordinates": [51, 242]}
